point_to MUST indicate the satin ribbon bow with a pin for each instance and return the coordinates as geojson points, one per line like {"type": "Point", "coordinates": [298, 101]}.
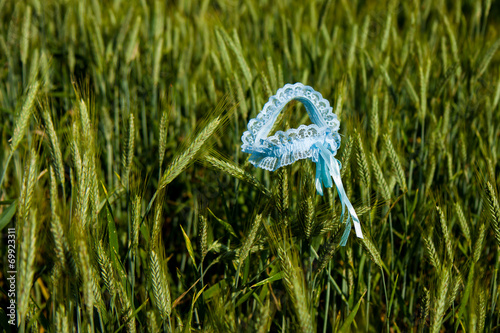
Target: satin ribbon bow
{"type": "Point", "coordinates": [318, 142]}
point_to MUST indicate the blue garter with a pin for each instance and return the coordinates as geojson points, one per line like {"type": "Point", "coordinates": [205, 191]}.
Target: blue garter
{"type": "Point", "coordinates": [318, 142]}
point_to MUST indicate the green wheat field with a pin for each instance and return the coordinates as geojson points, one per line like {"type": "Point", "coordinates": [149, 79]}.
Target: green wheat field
{"type": "Point", "coordinates": [135, 209]}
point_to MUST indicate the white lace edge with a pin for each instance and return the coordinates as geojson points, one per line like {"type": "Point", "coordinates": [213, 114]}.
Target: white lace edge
{"type": "Point", "coordinates": [284, 95]}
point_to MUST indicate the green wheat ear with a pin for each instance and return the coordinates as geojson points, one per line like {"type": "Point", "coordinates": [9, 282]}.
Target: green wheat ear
{"type": "Point", "coordinates": [208, 127]}
{"type": "Point", "coordinates": [293, 278]}
{"type": "Point", "coordinates": [24, 116]}
{"type": "Point", "coordinates": [159, 285]}
{"type": "Point", "coordinates": [493, 210]}
{"type": "Point", "coordinates": [395, 162]}
{"type": "Point", "coordinates": [440, 300]}
{"type": "Point", "coordinates": [252, 234]}
{"type": "Point", "coordinates": [27, 228]}
{"type": "Point", "coordinates": [55, 148]}
{"type": "Point", "coordinates": [128, 152]}
{"type": "Point", "coordinates": [222, 163]}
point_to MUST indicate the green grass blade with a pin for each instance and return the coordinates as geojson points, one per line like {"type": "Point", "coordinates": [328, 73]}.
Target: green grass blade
{"type": "Point", "coordinates": [349, 320]}
{"type": "Point", "coordinates": [7, 215]}
{"type": "Point", "coordinates": [189, 247]}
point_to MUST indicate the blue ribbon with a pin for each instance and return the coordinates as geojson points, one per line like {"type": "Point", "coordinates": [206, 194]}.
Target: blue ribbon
{"type": "Point", "coordinates": [328, 168]}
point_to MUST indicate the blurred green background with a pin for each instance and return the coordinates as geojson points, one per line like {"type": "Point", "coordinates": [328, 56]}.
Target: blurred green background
{"type": "Point", "coordinates": [135, 209]}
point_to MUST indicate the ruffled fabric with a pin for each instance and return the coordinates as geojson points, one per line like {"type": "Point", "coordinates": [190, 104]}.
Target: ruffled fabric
{"type": "Point", "coordinates": [318, 142]}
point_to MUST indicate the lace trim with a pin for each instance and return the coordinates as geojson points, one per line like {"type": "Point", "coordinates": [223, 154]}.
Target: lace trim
{"type": "Point", "coordinates": [284, 148]}
{"type": "Point", "coordinates": [318, 108]}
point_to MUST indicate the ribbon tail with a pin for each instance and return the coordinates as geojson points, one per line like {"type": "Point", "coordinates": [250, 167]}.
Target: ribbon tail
{"type": "Point", "coordinates": [328, 162]}
{"type": "Point", "coordinates": [347, 232]}
{"type": "Point", "coordinates": [335, 172]}
{"type": "Point", "coordinates": [323, 177]}
{"type": "Point", "coordinates": [319, 186]}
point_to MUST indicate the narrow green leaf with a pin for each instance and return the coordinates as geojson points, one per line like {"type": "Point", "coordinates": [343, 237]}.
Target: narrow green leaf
{"type": "Point", "coordinates": [275, 277]}
{"type": "Point", "coordinates": [487, 57]}
{"type": "Point", "coordinates": [187, 328]}
{"type": "Point", "coordinates": [244, 297]}
{"type": "Point", "coordinates": [225, 224]}
{"type": "Point", "coordinates": [215, 289]}
{"type": "Point", "coordinates": [465, 298]}
{"type": "Point", "coordinates": [189, 247]}
{"type": "Point", "coordinates": [347, 323]}
{"type": "Point", "coordinates": [7, 215]}
{"type": "Point", "coordinates": [392, 295]}
{"type": "Point", "coordinates": [199, 294]}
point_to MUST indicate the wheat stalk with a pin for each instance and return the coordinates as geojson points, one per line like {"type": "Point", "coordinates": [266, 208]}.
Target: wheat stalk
{"type": "Point", "coordinates": [379, 176]}
{"type": "Point", "coordinates": [136, 221]}
{"type": "Point", "coordinates": [307, 211]}
{"type": "Point", "coordinates": [431, 251]}
{"type": "Point", "coordinates": [295, 287]}
{"type": "Point", "coordinates": [478, 246]}
{"type": "Point", "coordinates": [352, 48]}
{"type": "Point", "coordinates": [440, 301]}
{"type": "Point", "coordinates": [396, 164]}
{"type": "Point", "coordinates": [292, 276]}
{"type": "Point", "coordinates": [163, 136]}
{"type": "Point", "coordinates": [26, 32]}
{"type": "Point", "coordinates": [203, 236]}
{"type": "Point", "coordinates": [160, 290]}
{"type": "Point", "coordinates": [96, 290]}
{"type": "Point", "coordinates": [446, 234]}
{"type": "Point", "coordinates": [457, 283]}
{"type": "Point", "coordinates": [481, 309]}
{"type": "Point", "coordinates": [83, 191]}
{"type": "Point", "coordinates": [462, 221]}
{"type": "Point", "coordinates": [126, 310]}
{"type": "Point", "coordinates": [26, 263]}
{"type": "Point", "coordinates": [61, 319]}
{"type": "Point", "coordinates": [22, 121]}
{"type": "Point", "coordinates": [132, 41]}
{"type": "Point", "coordinates": [493, 210]}
{"type": "Point", "coordinates": [223, 164]}
{"type": "Point", "coordinates": [86, 273]}
{"type": "Point", "coordinates": [85, 124]}
{"type": "Point", "coordinates": [346, 156]}
{"type": "Point", "coordinates": [263, 319]}
{"type": "Point", "coordinates": [363, 164]}
{"type": "Point", "coordinates": [56, 154]}
{"type": "Point", "coordinates": [152, 323]}
{"type": "Point", "coordinates": [75, 150]}
{"type": "Point", "coordinates": [373, 252]}
{"type": "Point", "coordinates": [374, 121]}
{"type": "Point", "coordinates": [430, 173]}
{"type": "Point", "coordinates": [182, 160]}
{"type": "Point", "coordinates": [223, 51]}
{"type": "Point", "coordinates": [326, 251]}
{"type": "Point", "coordinates": [487, 58]}
{"type": "Point", "coordinates": [56, 227]}
{"type": "Point", "coordinates": [282, 195]}
{"type": "Point", "coordinates": [105, 268]}
{"type": "Point", "coordinates": [157, 223]}
{"type": "Point", "coordinates": [249, 241]}
{"type": "Point", "coordinates": [128, 153]}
